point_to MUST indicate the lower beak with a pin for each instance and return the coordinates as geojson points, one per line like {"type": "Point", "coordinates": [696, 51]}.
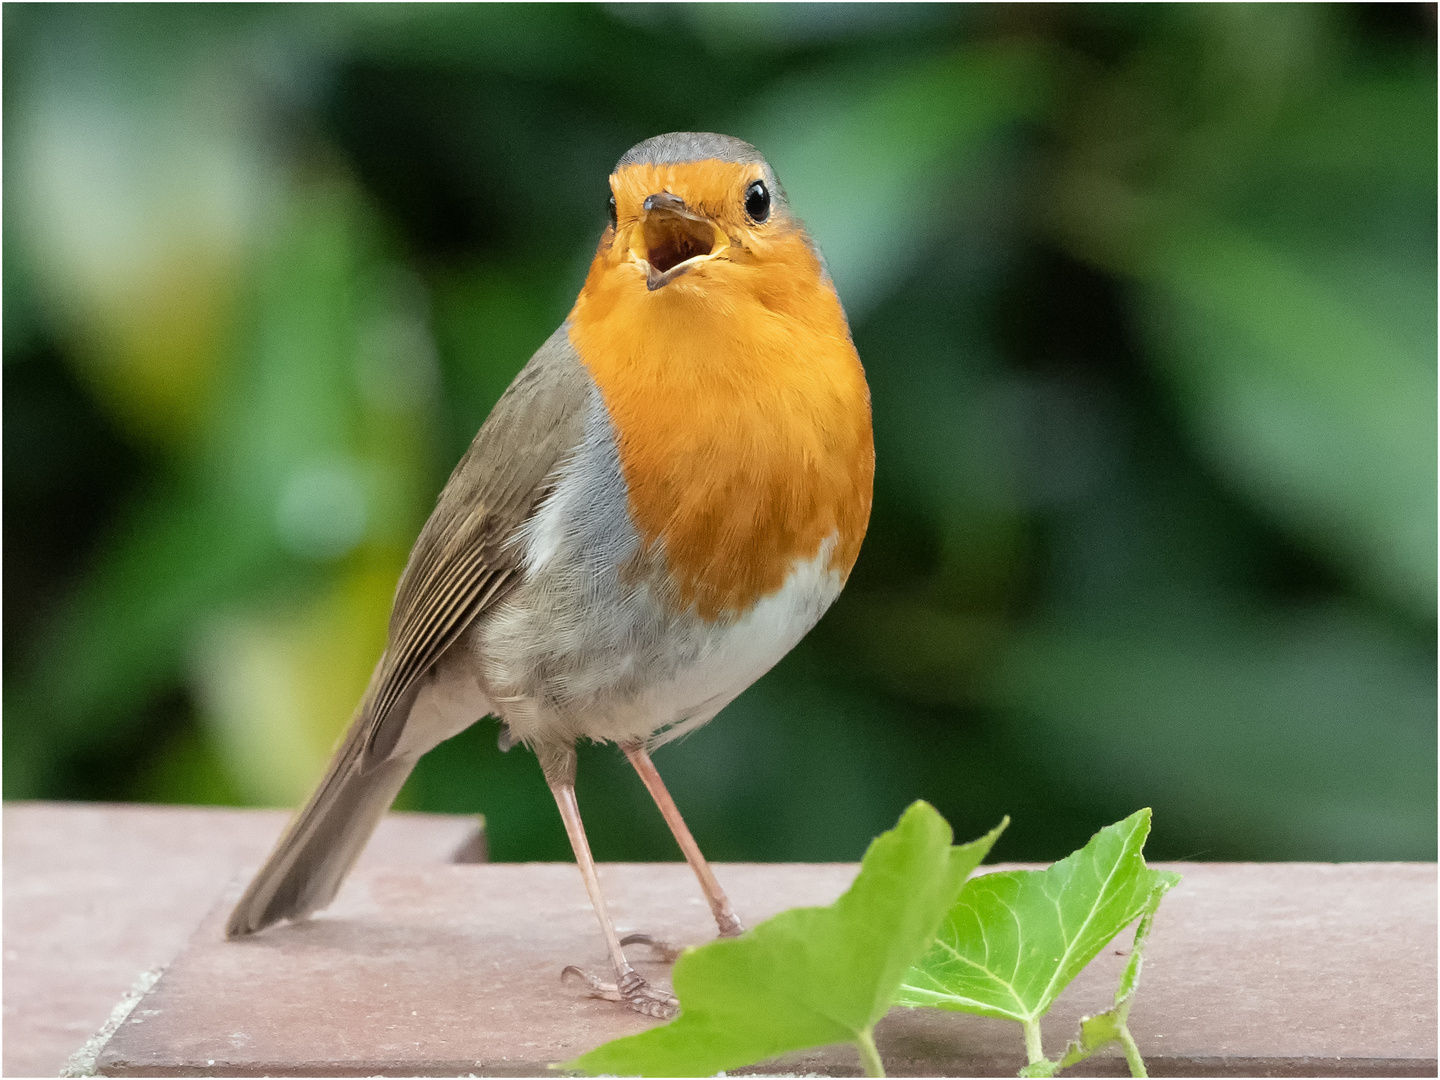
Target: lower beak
{"type": "Point", "coordinates": [672, 239]}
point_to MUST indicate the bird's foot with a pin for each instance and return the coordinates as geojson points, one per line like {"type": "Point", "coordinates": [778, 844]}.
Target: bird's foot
{"type": "Point", "coordinates": [729, 926]}
{"type": "Point", "coordinates": [633, 991]}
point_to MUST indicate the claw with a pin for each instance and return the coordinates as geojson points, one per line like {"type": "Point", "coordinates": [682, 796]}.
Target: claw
{"type": "Point", "coordinates": [667, 952]}
{"type": "Point", "coordinates": [633, 990]}
{"type": "Point", "coordinates": [608, 991]}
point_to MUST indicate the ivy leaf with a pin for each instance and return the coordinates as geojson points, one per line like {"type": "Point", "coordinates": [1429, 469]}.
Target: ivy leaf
{"type": "Point", "coordinates": [809, 976]}
{"type": "Point", "coordinates": [1016, 938]}
{"type": "Point", "coordinates": [1097, 1032]}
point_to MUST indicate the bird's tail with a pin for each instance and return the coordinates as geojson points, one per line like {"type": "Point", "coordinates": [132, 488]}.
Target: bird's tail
{"type": "Point", "coordinates": [323, 841]}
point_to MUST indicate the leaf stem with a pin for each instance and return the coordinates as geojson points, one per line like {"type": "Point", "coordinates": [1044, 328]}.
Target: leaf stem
{"type": "Point", "coordinates": [1033, 1050]}
{"type": "Point", "coordinates": [1132, 1053]}
{"type": "Point", "coordinates": [869, 1056]}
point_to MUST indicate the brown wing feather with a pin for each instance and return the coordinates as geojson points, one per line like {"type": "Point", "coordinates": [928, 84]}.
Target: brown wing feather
{"type": "Point", "coordinates": [463, 561]}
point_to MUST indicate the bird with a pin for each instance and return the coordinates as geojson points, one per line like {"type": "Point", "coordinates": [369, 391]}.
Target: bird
{"type": "Point", "coordinates": [665, 500]}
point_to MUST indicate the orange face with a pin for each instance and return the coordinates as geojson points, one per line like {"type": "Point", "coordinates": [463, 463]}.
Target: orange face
{"type": "Point", "coordinates": [739, 403]}
{"type": "Point", "coordinates": [673, 221]}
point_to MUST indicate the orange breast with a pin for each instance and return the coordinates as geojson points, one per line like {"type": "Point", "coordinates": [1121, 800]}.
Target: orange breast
{"type": "Point", "coordinates": [742, 417]}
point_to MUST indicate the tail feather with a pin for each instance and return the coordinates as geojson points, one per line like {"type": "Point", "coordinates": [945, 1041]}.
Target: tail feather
{"type": "Point", "coordinates": [323, 841]}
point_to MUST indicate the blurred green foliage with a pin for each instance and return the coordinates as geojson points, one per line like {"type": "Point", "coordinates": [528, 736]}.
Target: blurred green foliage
{"type": "Point", "coordinates": [1146, 296]}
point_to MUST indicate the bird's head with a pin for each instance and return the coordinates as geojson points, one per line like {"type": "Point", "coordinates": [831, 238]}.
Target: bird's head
{"type": "Point", "coordinates": [700, 215]}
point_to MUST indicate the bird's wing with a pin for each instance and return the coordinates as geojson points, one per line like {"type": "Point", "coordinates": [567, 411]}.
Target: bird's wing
{"type": "Point", "coordinates": [463, 562]}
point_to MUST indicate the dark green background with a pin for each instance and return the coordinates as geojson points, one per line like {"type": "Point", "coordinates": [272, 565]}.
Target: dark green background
{"type": "Point", "coordinates": [1147, 300]}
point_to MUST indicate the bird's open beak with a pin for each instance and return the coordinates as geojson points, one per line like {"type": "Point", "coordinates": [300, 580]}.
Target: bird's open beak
{"type": "Point", "coordinates": [671, 239]}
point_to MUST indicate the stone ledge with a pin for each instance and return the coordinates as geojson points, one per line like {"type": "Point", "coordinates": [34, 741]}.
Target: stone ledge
{"type": "Point", "coordinates": [97, 893]}
{"type": "Point", "coordinates": [1278, 969]}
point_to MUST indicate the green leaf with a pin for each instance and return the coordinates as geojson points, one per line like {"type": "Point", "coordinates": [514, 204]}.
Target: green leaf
{"type": "Point", "coordinates": [809, 976]}
{"type": "Point", "coordinates": [1016, 938]}
{"type": "Point", "coordinates": [1099, 1031]}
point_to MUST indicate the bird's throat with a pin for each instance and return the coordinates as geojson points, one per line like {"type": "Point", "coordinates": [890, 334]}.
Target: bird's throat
{"type": "Point", "coordinates": [667, 245]}
{"type": "Point", "coordinates": [670, 240]}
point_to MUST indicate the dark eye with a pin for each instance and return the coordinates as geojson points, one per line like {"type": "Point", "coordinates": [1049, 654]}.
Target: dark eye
{"type": "Point", "coordinates": [757, 201]}
{"type": "Point", "coordinates": [613, 220]}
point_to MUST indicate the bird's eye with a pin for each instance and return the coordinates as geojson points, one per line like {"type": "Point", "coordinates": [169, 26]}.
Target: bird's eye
{"type": "Point", "coordinates": [614, 220]}
{"type": "Point", "coordinates": [757, 201]}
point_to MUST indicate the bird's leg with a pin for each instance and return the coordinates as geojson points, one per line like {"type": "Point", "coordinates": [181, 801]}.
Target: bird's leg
{"type": "Point", "coordinates": [629, 986]}
{"type": "Point", "coordinates": [725, 918]}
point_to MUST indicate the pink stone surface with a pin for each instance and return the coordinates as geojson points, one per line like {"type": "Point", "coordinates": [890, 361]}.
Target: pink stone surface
{"type": "Point", "coordinates": [96, 894]}
{"type": "Point", "coordinates": [1278, 969]}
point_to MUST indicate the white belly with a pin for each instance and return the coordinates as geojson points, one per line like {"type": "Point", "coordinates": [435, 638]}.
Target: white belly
{"type": "Point", "coordinates": [737, 654]}
{"type": "Point", "coordinates": [621, 668]}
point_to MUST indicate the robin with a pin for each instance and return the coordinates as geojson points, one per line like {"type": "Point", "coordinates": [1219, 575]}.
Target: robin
{"type": "Point", "coordinates": [665, 500]}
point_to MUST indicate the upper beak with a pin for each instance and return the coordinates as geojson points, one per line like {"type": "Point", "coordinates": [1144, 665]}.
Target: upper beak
{"type": "Point", "coordinates": [672, 238]}
{"type": "Point", "coordinates": [663, 200]}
